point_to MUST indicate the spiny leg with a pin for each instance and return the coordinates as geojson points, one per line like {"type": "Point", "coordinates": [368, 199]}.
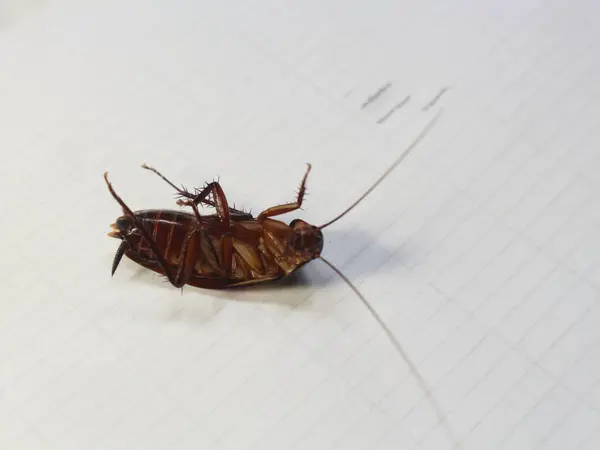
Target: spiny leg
{"type": "Point", "coordinates": [194, 207]}
{"type": "Point", "coordinates": [223, 210]}
{"type": "Point", "coordinates": [157, 253]}
{"type": "Point", "coordinates": [288, 207]}
{"type": "Point", "coordinates": [183, 192]}
{"type": "Point", "coordinates": [220, 201]}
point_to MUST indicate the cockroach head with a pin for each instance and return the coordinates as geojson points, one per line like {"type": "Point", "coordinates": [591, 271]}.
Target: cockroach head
{"type": "Point", "coordinates": [307, 238]}
{"type": "Point", "coordinates": [123, 226]}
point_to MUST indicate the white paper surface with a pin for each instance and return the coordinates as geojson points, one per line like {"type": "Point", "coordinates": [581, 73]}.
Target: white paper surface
{"type": "Point", "coordinates": [481, 251]}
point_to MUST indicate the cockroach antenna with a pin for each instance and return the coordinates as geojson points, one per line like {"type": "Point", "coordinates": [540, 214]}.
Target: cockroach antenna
{"type": "Point", "coordinates": [413, 368]}
{"type": "Point", "coordinates": [401, 158]}
{"type": "Point", "coordinates": [362, 298]}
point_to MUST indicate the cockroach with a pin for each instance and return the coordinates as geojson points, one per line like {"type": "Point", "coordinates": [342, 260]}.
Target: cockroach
{"type": "Point", "coordinates": [231, 248]}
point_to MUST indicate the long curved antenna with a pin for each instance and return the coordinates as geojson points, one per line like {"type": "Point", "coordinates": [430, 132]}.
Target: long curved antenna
{"type": "Point", "coordinates": [412, 366]}
{"type": "Point", "coordinates": [387, 331]}
{"type": "Point", "coordinates": [401, 158]}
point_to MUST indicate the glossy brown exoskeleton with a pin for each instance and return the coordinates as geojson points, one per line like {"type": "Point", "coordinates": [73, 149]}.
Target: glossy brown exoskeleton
{"type": "Point", "coordinates": [227, 249]}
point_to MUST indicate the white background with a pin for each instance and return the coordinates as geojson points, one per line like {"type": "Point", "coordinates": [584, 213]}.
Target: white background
{"type": "Point", "coordinates": [481, 251]}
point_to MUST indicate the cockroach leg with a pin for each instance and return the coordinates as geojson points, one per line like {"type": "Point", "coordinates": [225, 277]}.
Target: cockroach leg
{"type": "Point", "coordinates": [289, 207]}
{"type": "Point", "coordinates": [179, 191]}
{"type": "Point", "coordinates": [160, 259]}
{"type": "Point", "coordinates": [186, 194]}
{"type": "Point", "coordinates": [194, 207]}
{"type": "Point", "coordinates": [220, 201]}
